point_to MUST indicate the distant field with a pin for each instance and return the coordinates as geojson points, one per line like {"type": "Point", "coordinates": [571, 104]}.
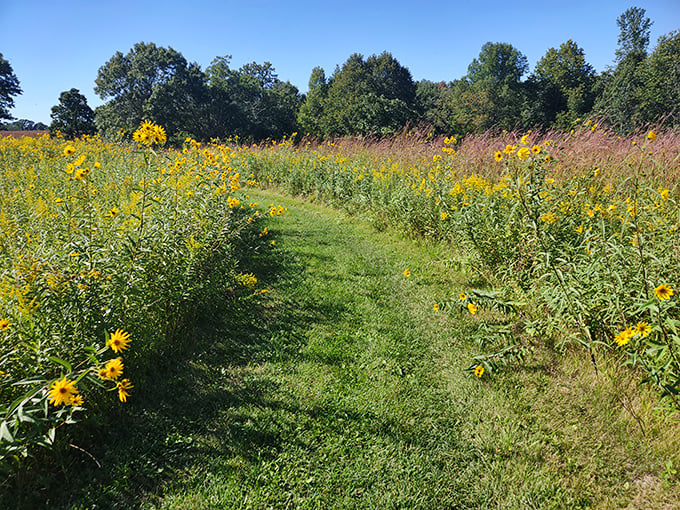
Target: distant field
{"type": "Point", "coordinates": [21, 134]}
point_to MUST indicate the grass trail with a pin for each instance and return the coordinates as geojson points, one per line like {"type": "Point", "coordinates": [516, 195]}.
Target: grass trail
{"type": "Point", "coordinates": [345, 389]}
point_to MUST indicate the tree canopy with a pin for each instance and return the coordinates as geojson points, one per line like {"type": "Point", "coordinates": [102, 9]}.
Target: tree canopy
{"type": "Point", "coordinates": [72, 116]}
{"type": "Point", "coordinates": [9, 87]}
{"type": "Point", "coordinates": [23, 125]}
{"type": "Point", "coordinates": [149, 82]}
{"type": "Point", "coordinates": [562, 84]}
{"type": "Point", "coordinates": [498, 64]}
{"type": "Point", "coordinates": [624, 87]}
{"type": "Point", "coordinates": [634, 29]}
{"type": "Point", "coordinates": [377, 95]}
{"type": "Point", "coordinates": [364, 97]}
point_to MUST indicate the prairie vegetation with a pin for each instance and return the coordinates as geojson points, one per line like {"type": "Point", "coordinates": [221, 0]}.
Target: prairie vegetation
{"type": "Point", "coordinates": [575, 234]}
{"type": "Point", "coordinates": [107, 253]}
{"type": "Point", "coordinates": [541, 288]}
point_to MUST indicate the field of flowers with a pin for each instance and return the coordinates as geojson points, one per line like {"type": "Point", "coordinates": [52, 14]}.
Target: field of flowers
{"type": "Point", "coordinates": [575, 235]}
{"type": "Point", "coordinates": [107, 251]}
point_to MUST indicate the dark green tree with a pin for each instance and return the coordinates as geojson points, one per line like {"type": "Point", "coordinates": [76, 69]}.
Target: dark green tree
{"type": "Point", "coordinates": [9, 87]}
{"type": "Point", "coordinates": [491, 95]}
{"type": "Point", "coordinates": [634, 28]}
{"type": "Point", "coordinates": [660, 96]}
{"type": "Point", "coordinates": [376, 96]}
{"type": "Point", "coordinates": [475, 107]}
{"type": "Point", "coordinates": [498, 64]}
{"type": "Point", "coordinates": [283, 111]}
{"type": "Point", "coordinates": [347, 86]}
{"type": "Point", "coordinates": [434, 107]}
{"type": "Point", "coordinates": [622, 88]}
{"type": "Point", "coordinates": [311, 111]}
{"type": "Point", "coordinates": [561, 87]}
{"type": "Point", "coordinates": [251, 102]}
{"type": "Point", "coordinates": [72, 116]}
{"type": "Point", "coordinates": [225, 116]}
{"type": "Point", "coordinates": [23, 125]}
{"type": "Point", "coordinates": [180, 105]}
{"type": "Point", "coordinates": [149, 82]}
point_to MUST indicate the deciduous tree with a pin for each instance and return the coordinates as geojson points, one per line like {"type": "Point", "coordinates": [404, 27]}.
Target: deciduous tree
{"type": "Point", "coordinates": [312, 109]}
{"type": "Point", "coordinates": [372, 96]}
{"type": "Point", "coordinates": [149, 82]}
{"type": "Point", "coordinates": [661, 94]}
{"type": "Point", "coordinates": [9, 87]}
{"type": "Point", "coordinates": [72, 116]}
{"type": "Point", "coordinates": [563, 86]}
{"type": "Point", "coordinates": [490, 96]}
{"type": "Point", "coordinates": [621, 97]}
{"type": "Point", "coordinates": [634, 28]}
{"type": "Point", "coordinates": [251, 102]}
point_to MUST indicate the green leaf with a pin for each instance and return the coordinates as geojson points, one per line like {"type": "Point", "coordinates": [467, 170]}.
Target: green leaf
{"type": "Point", "coordinates": [23, 417]}
{"type": "Point", "coordinates": [5, 434]}
{"type": "Point", "coordinates": [61, 362]}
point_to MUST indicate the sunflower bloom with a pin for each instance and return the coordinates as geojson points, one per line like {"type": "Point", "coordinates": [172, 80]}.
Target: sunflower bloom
{"type": "Point", "coordinates": [112, 370]}
{"type": "Point", "coordinates": [435, 307]}
{"type": "Point", "coordinates": [462, 296]}
{"type": "Point", "coordinates": [642, 329]}
{"type": "Point", "coordinates": [472, 308]}
{"type": "Point", "coordinates": [498, 156]}
{"type": "Point", "coordinates": [479, 371]}
{"type": "Point", "coordinates": [122, 387]}
{"type": "Point", "coordinates": [158, 135]}
{"type": "Point", "coordinates": [624, 337]}
{"type": "Point", "coordinates": [407, 272]}
{"type": "Point", "coordinates": [5, 324]}
{"type": "Point", "coordinates": [62, 392]}
{"type": "Point", "coordinates": [523, 153]}
{"type": "Point", "coordinates": [651, 136]}
{"type": "Point", "coordinates": [663, 292]}
{"type": "Point", "coordinates": [69, 149]}
{"type": "Point", "coordinates": [81, 173]}
{"type": "Point", "coordinates": [149, 134]}
{"type": "Point", "coordinates": [119, 340]}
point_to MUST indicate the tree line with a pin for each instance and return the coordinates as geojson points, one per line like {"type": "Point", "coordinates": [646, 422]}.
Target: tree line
{"type": "Point", "coordinates": [376, 95]}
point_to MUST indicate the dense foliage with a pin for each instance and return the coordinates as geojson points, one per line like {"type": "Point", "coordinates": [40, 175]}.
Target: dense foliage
{"type": "Point", "coordinates": [23, 125]}
{"type": "Point", "coordinates": [377, 96]}
{"type": "Point", "coordinates": [72, 117]}
{"type": "Point", "coordinates": [9, 87]}
{"type": "Point", "coordinates": [107, 252]}
{"type": "Point", "coordinates": [575, 235]}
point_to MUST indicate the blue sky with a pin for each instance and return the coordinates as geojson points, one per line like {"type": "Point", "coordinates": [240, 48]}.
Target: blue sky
{"type": "Point", "coordinates": [55, 46]}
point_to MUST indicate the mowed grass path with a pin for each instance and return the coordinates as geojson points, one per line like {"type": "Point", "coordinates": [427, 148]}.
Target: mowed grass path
{"type": "Point", "coordinates": [352, 400]}
{"type": "Point", "coordinates": [343, 388]}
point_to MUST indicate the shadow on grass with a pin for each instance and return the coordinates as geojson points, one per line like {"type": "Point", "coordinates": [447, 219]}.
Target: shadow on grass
{"type": "Point", "coordinates": [190, 402]}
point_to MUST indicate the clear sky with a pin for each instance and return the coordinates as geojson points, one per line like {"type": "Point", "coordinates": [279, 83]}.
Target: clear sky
{"type": "Point", "coordinates": [54, 46]}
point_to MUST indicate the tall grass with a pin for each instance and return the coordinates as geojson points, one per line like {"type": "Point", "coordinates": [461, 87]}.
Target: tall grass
{"type": "Point", "coordinates": [107, 251]}
{"type": "Point", "coordinates": [577, 231]}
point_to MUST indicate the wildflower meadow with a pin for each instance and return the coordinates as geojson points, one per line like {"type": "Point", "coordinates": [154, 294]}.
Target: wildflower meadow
{"type": "Point", "coordinates": [106, 251]}
{"type": "Point", "coordinates": [574, 234]}
{"type": "Point", "coordinates": [110, 249]}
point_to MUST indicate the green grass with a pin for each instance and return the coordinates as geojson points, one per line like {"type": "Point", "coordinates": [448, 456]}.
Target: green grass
{"type": "Point", "coordinates": [342, 388]}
